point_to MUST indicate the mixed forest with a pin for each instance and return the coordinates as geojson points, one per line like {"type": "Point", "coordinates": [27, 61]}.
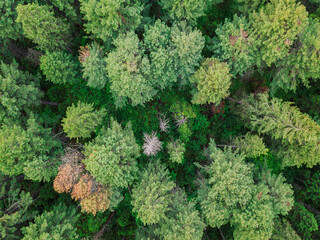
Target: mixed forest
{"type": "Point", "coordinates": [159, 119]}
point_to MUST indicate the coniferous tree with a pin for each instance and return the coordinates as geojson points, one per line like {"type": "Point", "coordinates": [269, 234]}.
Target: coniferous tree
{"type": "Point", "coordinates": [14, 208]}
{"type": "Point", "coordinates": [111, 156]}
{"type": "Point", "coordinates": [176, 150]}
{"type": "Point", "coordinates": [298, 133]}
{"type": "Point", "coordinates": [30, 150]}
{"type": "Point", "coordinates": [129, 71]}
{"type": "Point", "coordinates": [107, 18]}
{"type": "Point", "coordinates": [81, 120]}
{"type": "Point", "coordinates": [58, 67]}
{"type": "Point", "coordinates": [18, 91]}
{"type": "Point", "coordinates": [183, 221]}
{"type": "Point", "coordinates": [283, 230]}
{"type": "Point", "coordinates": [68, 8]}
{"type": "Point", "coordinates": [212, 82]}
{"type": "Point", "coordinates": [236, 45]}
{"type": "Point", "coordinates": [152, 196]}
{"type": "Point", "coordinates": [251, 145]}
{"type": "Point", "coordinates": [94, 67]}
{"type": "Point", "coordinates": [51, 225]}
{"type": "Point", "coordinates": [42, 27]}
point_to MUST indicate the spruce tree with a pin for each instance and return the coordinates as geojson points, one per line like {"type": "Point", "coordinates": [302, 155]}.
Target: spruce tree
{"type": "Point", "coordinates": [94, 67]}
{"type": "Point", "coordinates": [129, 71]}
{"type": "Point", "coordinates": [81, 120]}
{"type": "Point", "coordinates": [56, 224]}
{"type": "Point", "coordinates": [212, 82]}
{"type": "Point", "coordinates": [152, 195]}
{"type": "Point", "coordinates": [59, 67]}
{"type": "Point", "coordinates": [251, 145]}
{"type": "Point", "coordinates": [176, 150]}
{"type": "Point", "coordinates": [41, 26]}
{"type": "Point", "coordinates": [111, 156]}
{"type": "Point", "coordinates": [107, 18]}
{"type": "Point", "coordinates": [19, 91]}
{"type": "Point", "coordinates": [236, 45]}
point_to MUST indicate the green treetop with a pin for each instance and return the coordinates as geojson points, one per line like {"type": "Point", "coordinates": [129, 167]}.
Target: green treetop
{"type": "Point", "coordinates": [176, 150]}
{"type": "Point", "coordinates": [183, 221]}
{"type": "Point", "coordinates": [251, 145]}
{"type": "Point", "coordinates": [189, 10]}
{"type": "Point", "coordinates": [186, 47]}
{"type": "Point", "coordinates": [81, 120]}
{"type": "Point", "coordinates": [276, 27]}
{"type": "Point", "coordinates": [42, 27]}
{"type": "Point", "coordinates": [236, 44]}
{"type": "Point", "coordinates": [111, 157]}
{"type": "Point", "coordinates": [52, 225]}
{"type": "Point", "coordinates": [129, 71]}
{"type": "Point", "coordinates": [152, 196]}
{"type": "Point", "coordinates": [30, 150]}
{"type": "Point", "coordinates": [8, 25]}
{"type": "Point", "coordinates": [94, 67]}
{"type": "Point", "coordinates": [59, 67]}
{"type": "Point", "coordinates": [106, 18]}
{"type": "Point", "coordinates": [298, 133]}
{"type": "Point", "coordinates": [212, 82]}
{"type": "Point", "coordinates": [229, 186]}
{"type": "Point", "coordinates": [18, 91]}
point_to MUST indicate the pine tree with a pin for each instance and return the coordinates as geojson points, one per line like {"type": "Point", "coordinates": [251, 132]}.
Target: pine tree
{"type": "Point", "coordinates": [298, 133]}
{"type": "Point", "coordinates": [18, 91]}
{"type": "Point", "coordinates": [212, 82]}
{"type": "Point", "coordinates": [56, 224]}
{"type": "Point", "coordinates": [276, 27]}
{"type": "Point", "coordinates": [111, 156]}
{"type": "Point", "coordinates": [251, 145]}
{"type": "Point", "coordinates": [94, 67]}
{"type": "Point", "coordinates": [129, 71]}
{"type": "Point", "coordinates": [30, 150]}
{"type": "Point", "coordinates": [236, 45]}
{"type": "Point", "coordinates": [68, 8]}
{"type": "Point", "coordinates": [183, 222]}
{"type": "Point", "coordinates": [107, 18]}
{"type": "Point", "coordinates": [59, 67]}
{"type": "Point", "coordinates": [283, 230]}
{"type": "Point", "coordinates": [229, 186]}
{"type": "Point", "coordinates": [42, 27]}
{"type": "Point", "coordinates": [81, 120]}
{"type": "Point", "coordinates": [152, 196]}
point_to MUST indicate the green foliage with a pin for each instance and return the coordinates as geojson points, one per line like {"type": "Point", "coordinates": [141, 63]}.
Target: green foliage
{"type": "Point", "coordinates": [41, 26]}
{"type": "Point", "coordinates": [81, 120]}
{"type": "Point", "coordinates": [187, 44]}
{"type": "Point", "coordinates": [58, 67]}
{"type": "Point", "coordinates": [68, 7]}
{"type": "Point", "coordinates": [313, 188]}
{"type": "Point", "coordinates": [298, 133]}
{"type": "Point", "coordinates": [9, 27]}
{"type": "Point", "coordinates": [303, 221]}
{"type": "Point", "coordinates": [183, 222]}
{"type": "Point", "coordinates": [236, 45]}
{"type": "Point", "coordinates": [188, 10]}
{"type": "Point", "coordinates": [31, 151]}
{"type": "Point", "coordinates": [212, 82]}
{"type": "Point", "coordinates": [94, 67]}
{"type": "Point", "coordinates": [152, 196]}
{"type": "Point", "coordinates": [14, 208]}
{"type": "Point", "coordinates": [18, 91]}
{"type": "Point", "coordinates": [51, 225]}
{"type": "Point", "coordinates": [129, 71]}
{"type": "Point", "coordinates": [283, 230]}
{"type": "Point", "coordinates": [251, 145]}
{"type": "Point", "coordinates": [176, 150]}
{"type": "Point", "coordinates": [111, 157]}
{"type": "Point", "coordinates": [276, 27]}
{"type": "Point", "coordinates": [229, 186]}
{"type": "Point", "coordinates": [107, 18]}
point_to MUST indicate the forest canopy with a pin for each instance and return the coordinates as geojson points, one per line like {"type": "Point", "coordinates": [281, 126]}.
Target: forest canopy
{"type": "Point", "coordinates": [159, 119]}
